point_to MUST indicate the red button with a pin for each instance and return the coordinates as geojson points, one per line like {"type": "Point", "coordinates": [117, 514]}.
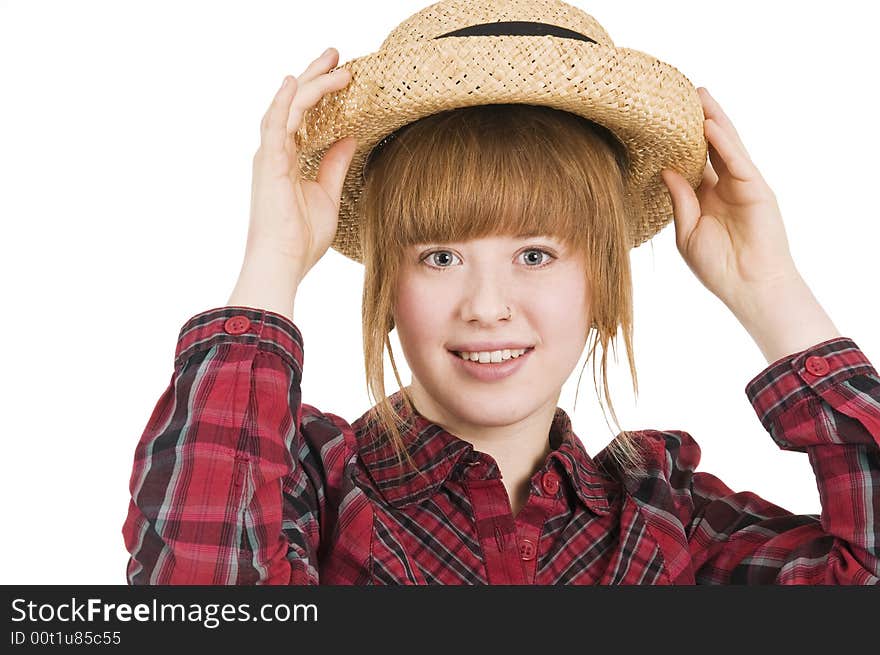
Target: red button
{"type": "Point", "coordinates": [237, 324]}
{"type": "Point", "coordinates": [817, 365]}
{"type": "Point", "coordinates": [527, 549]}
{"type": "Point", "coordinates": [550, 482]}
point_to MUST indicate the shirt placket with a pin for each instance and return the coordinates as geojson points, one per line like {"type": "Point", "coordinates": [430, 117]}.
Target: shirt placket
{"type": "Point", "coordinates": [531, 519]}
{"type": "Point", "coordinates": [510, 546]}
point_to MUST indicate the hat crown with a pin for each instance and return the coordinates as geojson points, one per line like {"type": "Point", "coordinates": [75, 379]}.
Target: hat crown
{"type": "Point", "coordinates": [450, 15]}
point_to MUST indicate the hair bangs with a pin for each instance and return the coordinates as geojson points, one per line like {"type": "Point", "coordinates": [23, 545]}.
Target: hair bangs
{"type": "Point", "coordinates": [492, 170]}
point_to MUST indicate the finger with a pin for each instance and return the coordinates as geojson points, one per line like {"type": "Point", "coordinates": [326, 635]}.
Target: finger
{"type": "Point", "coordinates": [334, 165]}
{"type": "Point", "coordinates": [712, 109]}
{"type": "Point", "coordinates": [685, 207]}
{"type": "Point", "coordinates": [323, 62]}
{"type": "Point", "coordinates": [327, 60]}
{"type": "Point", "coordinates": [273, 120]}
{"type": "Point", "coordinates": [311, 92]}
{"type": "Point", "coordinates": [716, 163]}
{"type": "Point", "coordinates": [735, 162]}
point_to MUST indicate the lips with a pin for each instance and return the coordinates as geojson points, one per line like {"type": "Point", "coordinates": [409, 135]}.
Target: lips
{"type": "Point", "coordinates": [492, 372]}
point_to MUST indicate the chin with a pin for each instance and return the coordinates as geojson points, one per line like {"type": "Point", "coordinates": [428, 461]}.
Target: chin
{"type": "Point", "coordinates": [490, 411]}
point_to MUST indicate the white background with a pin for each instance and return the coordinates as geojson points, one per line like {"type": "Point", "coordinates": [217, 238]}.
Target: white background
{"type": "Point", "coordinates": [128, 131]}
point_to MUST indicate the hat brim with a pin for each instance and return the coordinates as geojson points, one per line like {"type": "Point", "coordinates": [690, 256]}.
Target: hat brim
{"type": "Point", "coordinates": [649, 105]}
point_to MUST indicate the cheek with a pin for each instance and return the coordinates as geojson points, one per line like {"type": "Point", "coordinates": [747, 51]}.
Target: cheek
{"type": "Point", "coordinates": [562, 311]}
{"type": "Point", "coordinates": [417, 321]}
{"type": "Point", "coordinates": [565, 297]}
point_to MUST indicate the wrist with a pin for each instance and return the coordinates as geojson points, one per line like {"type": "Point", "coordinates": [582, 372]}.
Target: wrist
{"type": "Point", "coordinates": [784, 318]}
{"type": "Point", "coordinates": [268, 281]}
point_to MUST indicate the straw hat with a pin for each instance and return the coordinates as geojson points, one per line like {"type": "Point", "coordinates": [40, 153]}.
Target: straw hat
{"type": "Point", "coordinates": [458, 53]}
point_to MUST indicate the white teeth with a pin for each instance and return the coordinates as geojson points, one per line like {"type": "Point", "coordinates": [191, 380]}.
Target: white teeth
{"type": "Point", "coordinates": [492, 357]}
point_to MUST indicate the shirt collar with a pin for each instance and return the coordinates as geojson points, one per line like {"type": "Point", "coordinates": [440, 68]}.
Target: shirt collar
{"type": "Point", "coordinates": [438, 453]}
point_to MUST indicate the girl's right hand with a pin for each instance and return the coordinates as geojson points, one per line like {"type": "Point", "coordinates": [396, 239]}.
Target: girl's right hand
{"type": "Point", "coordinates": [290, 216]}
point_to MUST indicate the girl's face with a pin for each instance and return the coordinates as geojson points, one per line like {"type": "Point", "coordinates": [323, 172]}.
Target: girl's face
{"type": "Point", "coordinates": [452, 294]}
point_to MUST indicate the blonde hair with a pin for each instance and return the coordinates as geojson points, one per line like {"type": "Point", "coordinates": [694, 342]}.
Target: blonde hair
{"type": "Point", "coordinates": [499, 170]}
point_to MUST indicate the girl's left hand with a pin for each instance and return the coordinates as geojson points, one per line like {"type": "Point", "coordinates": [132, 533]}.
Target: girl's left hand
{"type": "Point", "coordinates": [730, 231]}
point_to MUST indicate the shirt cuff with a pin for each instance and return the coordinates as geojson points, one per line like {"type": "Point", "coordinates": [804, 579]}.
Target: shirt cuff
{"type": "Point", "coordinates": [835, 371]}
{"type": "Point", "coordinates": [265, 329]}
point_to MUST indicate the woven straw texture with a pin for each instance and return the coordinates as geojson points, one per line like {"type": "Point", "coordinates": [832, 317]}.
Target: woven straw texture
{"type": "Point", "coordinates": [653, 108]}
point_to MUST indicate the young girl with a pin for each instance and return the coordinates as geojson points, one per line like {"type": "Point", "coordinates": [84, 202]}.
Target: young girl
{"type": "Point", "coordinates": [495, 237]}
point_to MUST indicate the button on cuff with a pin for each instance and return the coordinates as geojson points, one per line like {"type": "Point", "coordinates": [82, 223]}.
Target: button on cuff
{"type": "Point", "coordinates": [237, 324]}
{"type": "Point", "coordinates": [817, 365]}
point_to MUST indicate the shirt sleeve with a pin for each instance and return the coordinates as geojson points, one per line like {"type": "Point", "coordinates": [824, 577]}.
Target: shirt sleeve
{"type": "Point", "coordinates": [225, 489]}
{"type": "Point", "coordinates": [824, 401]}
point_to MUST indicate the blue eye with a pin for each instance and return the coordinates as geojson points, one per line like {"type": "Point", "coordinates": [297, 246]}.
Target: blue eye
{"type": "Point", "coordinates": [430, 255]}
{"type": "Point", "coordinates": [441, 262]}
{"type": "Point", "coordinates": [540, 251]}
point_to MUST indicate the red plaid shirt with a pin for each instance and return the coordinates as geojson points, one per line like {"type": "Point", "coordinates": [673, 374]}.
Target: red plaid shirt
{"type": "Point", "coordinates": [236, 481]}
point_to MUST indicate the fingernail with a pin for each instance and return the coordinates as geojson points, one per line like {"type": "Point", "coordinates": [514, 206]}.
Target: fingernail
{"type": "Point", "coordinates": [285, 82]}
{"type": "Point", "coordinates": [326, 52]}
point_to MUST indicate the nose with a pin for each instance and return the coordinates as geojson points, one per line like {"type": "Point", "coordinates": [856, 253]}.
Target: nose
{"type": "Point", "coordinates": [485, 300]}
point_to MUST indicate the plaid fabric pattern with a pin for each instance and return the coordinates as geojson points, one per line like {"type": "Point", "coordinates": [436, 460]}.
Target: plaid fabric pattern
{"type": "Point", "coordinates": [237, 481]}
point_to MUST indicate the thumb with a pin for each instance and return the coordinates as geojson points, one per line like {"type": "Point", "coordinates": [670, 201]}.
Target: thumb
{"type": "Point", "coordinates": [685, 206]}
{"type": "Point", "coordinates": [334, 165]}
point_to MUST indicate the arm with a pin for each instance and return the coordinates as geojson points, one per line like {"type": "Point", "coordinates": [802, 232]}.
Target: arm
{"type": "Point", "coordinates": [224, 488]}
{"type": "Point", "coordinates": [824, 401]}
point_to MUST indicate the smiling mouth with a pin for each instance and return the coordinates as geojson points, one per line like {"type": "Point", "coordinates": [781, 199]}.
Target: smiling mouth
{"type": "Point", "coordinates": [491, 372]}
{"type": "Point", "coordinates": [477, 361]}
